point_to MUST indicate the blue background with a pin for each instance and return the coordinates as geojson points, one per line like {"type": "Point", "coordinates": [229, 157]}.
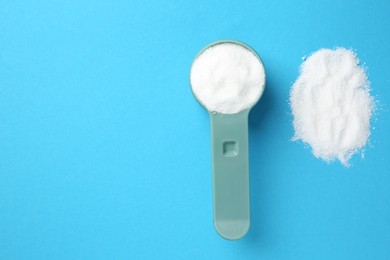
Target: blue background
{"type": "Point", "coordinates": [105, 153]}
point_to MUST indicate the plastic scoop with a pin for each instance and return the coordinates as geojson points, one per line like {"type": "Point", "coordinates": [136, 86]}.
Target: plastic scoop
{"type": "Point", "coordinates": [230, 160]}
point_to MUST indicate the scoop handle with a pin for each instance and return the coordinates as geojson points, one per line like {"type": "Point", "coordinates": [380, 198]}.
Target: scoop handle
{"type": "Point", "coordinates": [230, 161]}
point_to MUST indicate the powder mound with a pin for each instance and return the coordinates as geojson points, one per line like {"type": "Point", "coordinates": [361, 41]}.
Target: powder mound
{"type": "Point", "coordinates": [331, 104]}
{"type": "Point", "coordinates": [227, 78]}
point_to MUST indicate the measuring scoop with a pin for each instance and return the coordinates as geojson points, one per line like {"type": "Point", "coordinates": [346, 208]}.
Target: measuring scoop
{"type": "Point", "coordinates": [230, 161]}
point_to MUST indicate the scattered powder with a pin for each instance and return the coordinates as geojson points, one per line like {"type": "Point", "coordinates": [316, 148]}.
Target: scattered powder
{"type": "Point", "coordinates": [331, 104]}
{"type": "Point", "coordinates": [227, 78]}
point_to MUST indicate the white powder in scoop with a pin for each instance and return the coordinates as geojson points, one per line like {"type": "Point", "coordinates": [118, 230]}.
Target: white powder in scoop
{"type": "Point", "coordinates": [331, 104]}
{"type": "Point", "coordinates": [227, 78]}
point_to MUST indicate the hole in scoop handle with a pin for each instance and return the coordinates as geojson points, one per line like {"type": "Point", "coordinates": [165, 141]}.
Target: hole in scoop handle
{"type": "Point", "coordinates": [230, 160]}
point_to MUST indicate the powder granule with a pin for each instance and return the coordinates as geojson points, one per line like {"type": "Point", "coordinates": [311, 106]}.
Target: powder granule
{"type": "Point", "coordinates": [227, 78]}
{"type": "Point", "coordinates": [331, 104]}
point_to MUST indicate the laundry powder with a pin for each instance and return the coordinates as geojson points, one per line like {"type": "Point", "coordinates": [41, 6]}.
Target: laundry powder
{"type": "Point", "coordinates": [331, 104]}
{"type": "Point", "coordinates": [227, 78]}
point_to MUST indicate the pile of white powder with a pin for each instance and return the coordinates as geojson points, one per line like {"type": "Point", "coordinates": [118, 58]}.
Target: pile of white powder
{"type": "Point", "coordinates": [227, 78]}
{"type": "Point", "coordinates": [331, 104]}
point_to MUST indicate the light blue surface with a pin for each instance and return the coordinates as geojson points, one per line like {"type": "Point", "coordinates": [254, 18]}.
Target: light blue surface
{"type": "Point", "coordinates": [105, 153]}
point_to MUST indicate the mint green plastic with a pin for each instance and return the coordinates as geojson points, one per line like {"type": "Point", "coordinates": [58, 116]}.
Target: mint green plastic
{"type": "Point", "coordinates": [229, 148]}
{"type": "Point", "coordinates": [230, 162]}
